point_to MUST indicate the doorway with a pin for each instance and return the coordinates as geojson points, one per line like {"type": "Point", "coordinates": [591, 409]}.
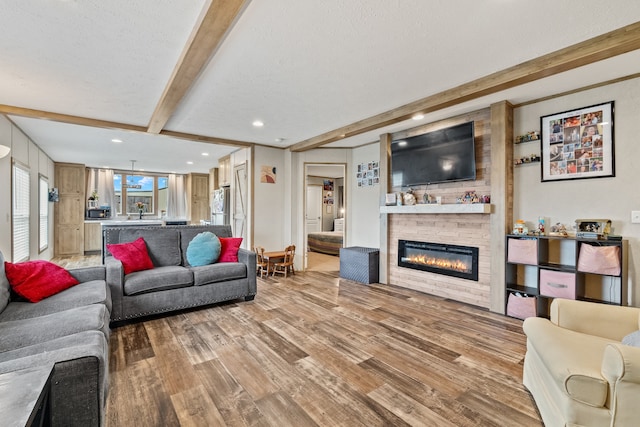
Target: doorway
{"type": "Point", "coordinates": [324, 215]}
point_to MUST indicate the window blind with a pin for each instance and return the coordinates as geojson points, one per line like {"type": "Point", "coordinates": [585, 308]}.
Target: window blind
{"type": "Point", "coordinates": [20, 199]}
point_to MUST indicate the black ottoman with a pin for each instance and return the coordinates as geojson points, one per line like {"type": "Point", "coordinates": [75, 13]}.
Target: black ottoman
{"type": "Point", "coordinates": [359, 264]}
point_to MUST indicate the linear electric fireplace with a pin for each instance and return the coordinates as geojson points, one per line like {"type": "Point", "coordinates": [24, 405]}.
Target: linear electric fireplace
{"type": "Point", "coordinates": [450, 260]}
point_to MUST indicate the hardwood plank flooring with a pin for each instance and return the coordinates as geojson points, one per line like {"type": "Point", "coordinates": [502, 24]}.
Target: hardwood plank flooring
{"type": "Point", "coordinates": [317, 350]}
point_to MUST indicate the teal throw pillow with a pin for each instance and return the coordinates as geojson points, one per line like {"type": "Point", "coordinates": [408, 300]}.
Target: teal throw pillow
{"type": "Point", "coordinates": [203, 249]}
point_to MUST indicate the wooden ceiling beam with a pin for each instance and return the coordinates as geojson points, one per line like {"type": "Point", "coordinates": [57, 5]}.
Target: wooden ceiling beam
{"type": "Point", "coordinates": [614, 43]}
{"type": "Point", "coordinates": [104, 124]}
{"type": "Point", "coordinates": [214, 24]}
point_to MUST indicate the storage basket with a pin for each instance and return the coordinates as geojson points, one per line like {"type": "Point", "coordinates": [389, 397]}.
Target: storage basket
{"type": "Point", "coordinates": [522, 251]}
{"type": "Point", "coordinates": [521, 306]}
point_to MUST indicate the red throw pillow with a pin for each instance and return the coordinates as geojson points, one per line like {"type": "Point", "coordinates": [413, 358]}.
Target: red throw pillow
{"type": "Point", "coordinates": [229, 249]}
{"type": "Point", "coordinates": [133, 255]}
{"type": "Point", "coordinates": [37, 280]}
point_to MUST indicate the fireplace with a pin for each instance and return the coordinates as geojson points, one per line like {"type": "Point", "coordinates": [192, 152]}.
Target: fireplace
{"type": "Point", "coordinates": [441, 258]}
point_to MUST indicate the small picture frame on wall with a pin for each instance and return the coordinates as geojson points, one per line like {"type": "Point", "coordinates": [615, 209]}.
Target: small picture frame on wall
{"type": "Point", "coordinates": [578, 144]}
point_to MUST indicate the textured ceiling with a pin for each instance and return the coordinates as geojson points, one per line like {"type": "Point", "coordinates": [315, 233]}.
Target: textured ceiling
{"type": "Point", "coordinates": [302, 67]}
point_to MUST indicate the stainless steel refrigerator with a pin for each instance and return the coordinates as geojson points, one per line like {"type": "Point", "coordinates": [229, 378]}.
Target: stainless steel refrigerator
{"type": "Point", "coordinates": [220, 206]}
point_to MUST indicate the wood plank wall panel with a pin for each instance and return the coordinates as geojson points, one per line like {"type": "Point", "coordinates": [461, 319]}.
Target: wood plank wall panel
{"type": "Point", "coordinates": [457, 229]}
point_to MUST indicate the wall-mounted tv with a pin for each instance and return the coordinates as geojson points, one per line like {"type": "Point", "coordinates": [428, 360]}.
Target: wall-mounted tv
{"type": "Point", "coordinates": [438, 156]}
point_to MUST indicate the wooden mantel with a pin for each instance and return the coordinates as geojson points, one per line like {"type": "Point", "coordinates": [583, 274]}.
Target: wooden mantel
{"type": "Point", "coordinates": [452, 208]}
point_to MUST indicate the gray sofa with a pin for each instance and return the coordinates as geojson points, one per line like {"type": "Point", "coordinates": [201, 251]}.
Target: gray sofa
{"type": "Point", "coordinates": [69, 331]}
{"type": "Point", "coordinates": [173, 284]}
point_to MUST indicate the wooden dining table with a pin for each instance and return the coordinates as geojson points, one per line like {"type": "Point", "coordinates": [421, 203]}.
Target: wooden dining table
{"type": "Point", "coordinates": [271, 258]}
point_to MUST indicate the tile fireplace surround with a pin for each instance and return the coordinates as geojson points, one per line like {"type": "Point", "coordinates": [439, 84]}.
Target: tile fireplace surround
{"type": "Point", "coordinates": [477, 225]}
{"type": "Point", "coordinates": [453, 229]}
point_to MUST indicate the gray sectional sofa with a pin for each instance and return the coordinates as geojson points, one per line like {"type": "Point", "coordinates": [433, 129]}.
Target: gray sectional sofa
{"type": "Point", "coordinates": [173, 284]}
{"type": "Point", "coordinates": [69, 331]}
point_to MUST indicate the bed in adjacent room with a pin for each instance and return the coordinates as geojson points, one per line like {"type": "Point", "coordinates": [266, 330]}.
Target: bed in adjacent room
{"type": "Point", "coordinates": [326, 242]}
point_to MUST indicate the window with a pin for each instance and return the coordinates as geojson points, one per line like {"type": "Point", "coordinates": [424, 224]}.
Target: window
{"type": "Point", "coordinates": [150, 191]}
{"type": "Point", "coordinates": [20, 212]}
{"type": "Point", "coordinates": [43, 228]}
{"type": "Point", "coordinates": [163, 195]}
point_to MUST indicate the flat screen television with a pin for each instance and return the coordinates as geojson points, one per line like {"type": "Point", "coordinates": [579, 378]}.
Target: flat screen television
{"type": "Point", "coordinates": [440, 156]}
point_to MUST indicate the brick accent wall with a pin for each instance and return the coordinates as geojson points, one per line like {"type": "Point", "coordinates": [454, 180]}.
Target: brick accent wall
{"type": "Point", "coordinates": [457, 229]}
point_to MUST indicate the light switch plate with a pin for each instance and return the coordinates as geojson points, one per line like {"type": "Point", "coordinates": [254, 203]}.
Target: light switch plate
{"type": "Point", "coordinates": [635, 217]}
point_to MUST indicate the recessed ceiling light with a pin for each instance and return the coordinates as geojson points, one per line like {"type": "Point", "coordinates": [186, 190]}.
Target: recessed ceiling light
{"type": "Point", "coordinates": [116, 140]}
{"type": "Point", "coordinates": [189, 163]}
{"type": "Point", "coordinates": [205, 154]}
{"type": "Point", "coordinates": [417, 116]}
{"type": "Point", "coordinates": [258, 124]}
{"type": "Point", "coordinates": [279, 139]}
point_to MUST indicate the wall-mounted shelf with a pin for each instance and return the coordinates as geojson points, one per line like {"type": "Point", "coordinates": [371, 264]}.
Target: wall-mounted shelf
{"type": "Point", "coordinates": [451, 208]}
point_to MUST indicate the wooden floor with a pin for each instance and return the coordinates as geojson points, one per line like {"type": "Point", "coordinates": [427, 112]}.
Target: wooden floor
{"type": "Point", "coordinates": [316, 350]}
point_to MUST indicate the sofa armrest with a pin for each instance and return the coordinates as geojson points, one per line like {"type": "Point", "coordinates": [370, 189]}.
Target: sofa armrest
{"type": "Point", "coordinates": [87, 274]}
{"type": "Point", "coordinates": [248, 258]}
{"type": "Point", "coordinates": [621, 368]}
{"type": "Point", "coordinates": [602, 320]}
{"type": "Point", "coordinates": [115, 282]}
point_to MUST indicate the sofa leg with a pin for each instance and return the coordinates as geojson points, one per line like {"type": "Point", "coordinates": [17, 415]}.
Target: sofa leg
{"type": "Point", "coordinates": [249, 298]}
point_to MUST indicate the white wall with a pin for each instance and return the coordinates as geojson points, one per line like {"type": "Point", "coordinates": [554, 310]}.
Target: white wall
{"type": "Point", "coordinates": [608, 198]}
{"type": "Point", "coordinates": [29, 154]}
{"type": "Point", "coordinates": [363, 210]}
{"type": "Point", "coordinates": [269, 201]}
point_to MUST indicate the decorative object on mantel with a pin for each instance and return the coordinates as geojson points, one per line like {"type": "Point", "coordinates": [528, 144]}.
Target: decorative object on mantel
{"type": "Point", "coordinates": [409, 198]}
{"type": "Point", "coordinates": [390, 199]}
{"type": "Point", "coordinates": [428, 199]}
{"type": "Point", "coordinates": [368, 174]}
{"type": "Point", "coordinates": [472, 197]}
{"type": "Point", "coordinates": [528, 137]}
{"type": "Point", "coordinates": [578, 144]}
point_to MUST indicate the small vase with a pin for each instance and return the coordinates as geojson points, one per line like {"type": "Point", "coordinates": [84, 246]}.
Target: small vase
{"type": "Point", "coordinates": [140, 213]}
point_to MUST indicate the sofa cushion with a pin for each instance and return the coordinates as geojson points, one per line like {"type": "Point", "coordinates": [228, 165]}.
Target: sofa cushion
{"type": "Point", "coordinates": [132, 255]}
{"type": "Point", "coordinates": [17, 334]}
{"type": "Point", "coordinates": [4, 286]}
{"type": "Point", "coordinates": [163, 245]}
{"type": "Point", "coordinates": [37, 280]}
{"type": "Point", "coordinates": [575, 365]}
{"type": "Point", "coordinates": [218, 272]}
{"type": "Point", "coordinates": [229, 250]}
{"type": "Point", "coordinates": [203, 249]}
{"type": "Point", "coordinates": [92, 292]}
{"type": "Point", "coordinates": [157, 279]}
{"type": "Point", "coordinates": [189, 232]}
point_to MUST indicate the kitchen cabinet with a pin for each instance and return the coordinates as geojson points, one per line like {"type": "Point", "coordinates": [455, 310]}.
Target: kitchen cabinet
{"type": "Point", "coordinates": [198, 196]}
{"type": "Point", "coordinates": [92, 236]}
{"type": "Point", "coordinates": [69, 210]}
{"type": "Point", "coordinates": [224, 171]}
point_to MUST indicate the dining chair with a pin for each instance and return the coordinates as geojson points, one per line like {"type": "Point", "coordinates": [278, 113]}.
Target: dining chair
{"type": "Point", "coordinates": [261, 265]}
{"type": "Point", "coordinates": [286, 265]}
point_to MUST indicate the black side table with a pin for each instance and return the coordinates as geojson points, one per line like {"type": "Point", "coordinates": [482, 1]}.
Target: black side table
{"type": "Point", "coordinates": [24, 397]}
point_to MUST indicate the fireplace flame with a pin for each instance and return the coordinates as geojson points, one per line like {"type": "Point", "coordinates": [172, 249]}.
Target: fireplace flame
{"type": "Point", "coordinates": [454, 265]}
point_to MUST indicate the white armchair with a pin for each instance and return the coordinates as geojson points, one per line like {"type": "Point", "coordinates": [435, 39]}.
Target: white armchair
{"type": "Point", "coordinates": [577, 369]}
